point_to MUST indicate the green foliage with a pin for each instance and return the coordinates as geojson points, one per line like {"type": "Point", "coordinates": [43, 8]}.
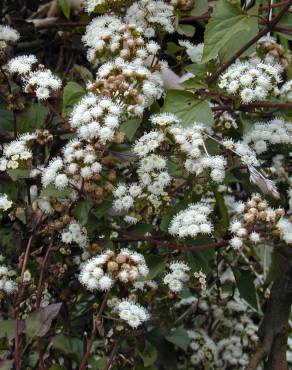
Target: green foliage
{"type": "Point", "coordinates": [185, 105]}
{"type": "Point", "coordinates": [228, 30]}
{"type": "Point", "coordinates": [73, 92]}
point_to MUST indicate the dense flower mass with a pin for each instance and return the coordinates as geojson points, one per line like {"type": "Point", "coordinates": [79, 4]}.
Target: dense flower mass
{"type": "Point", "coordinates": [253, 79]}
{"type": "Point", "coordinates": [145, 204]}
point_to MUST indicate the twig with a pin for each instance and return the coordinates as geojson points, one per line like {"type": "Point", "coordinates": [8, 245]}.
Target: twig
{"type": "Point", "coordinates": [263, 32]}
{"type": "Point", "coordinates": [113, 353]}
{"type": "Point", "coordinates": [94, 332]}
{"type": "Point", "coordinates": [222, 243]}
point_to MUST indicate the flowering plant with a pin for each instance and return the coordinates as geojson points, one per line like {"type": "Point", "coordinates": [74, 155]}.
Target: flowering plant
{"type": "Point", "coordinates": [145, 195]}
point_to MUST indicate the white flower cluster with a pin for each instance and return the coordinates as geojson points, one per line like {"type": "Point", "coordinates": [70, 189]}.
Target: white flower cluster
{"type": "Point", "coordinates": [285, 228]}
{"type": "Point", "coordinates": [153, 175]}
{"type": "Point", "coordinates": [5, 203]}
{"type": "Point", "coordinates": [151, 16]}
{"type": "Point", "coordinates": [79, 164]}
{"type": "Point", "coordinates": [204, 349]}
{"type": "Point", "coordinates": [16, 153]}
{"type": "Point", "coordinates": [277, 131]}
{"type": "Point", "coordinates": [129, 83]}
{"type": "Point", "coordinates": [192, 221]}
{"type": "Point", "coordinates": [96, 118]}
{"type": "Point", "coordinates": [125, 196]}
{"type": "Point", "coordinates": [8, 35]}
{"type": "Point", "coordinates": [52, 174]}
{"type": "Point", "coordinates": [242, 149]}
{"type": "Point", "coordinates": [7, 285]}
{"type": "Point", "coordinates": [75, 233]}
{"type": "Point", "coordinates": [132, 313]}
{"type": "Point", "coordinates": [194, 52]}
{"type": "Point", "coordinates": [148, 143]}
{"type": "Point", "coordinates": [231, 352]}
{"type": "Point", "coordinates": [153, 178]}
{"type": "Point", "coordinates": [101, 272]}
{"type": "Point", "coordinates": [164, 120]}
{"type": "Point", "coordinates": [108, 37]}
{"type": "Point", "coordinates": [252, 79]}
{"type": "Point", "coordinates": [285, 92]}
{"type": "Point", "coordinates": [232, 334]}
{"type": "Point", "coordinates": [177, 276]}
{"type": "Point", "coordinates": [91, 5]}
{"type": "Point", "coordinates": [191, 142]}
{"type": "Point", "coordinates": [41, 81]}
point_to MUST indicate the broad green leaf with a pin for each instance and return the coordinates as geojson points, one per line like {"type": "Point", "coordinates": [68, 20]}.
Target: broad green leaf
{"type": "Point", "coordinates": [73, 92]}
{"type": "Point", "coordinates": [130, 127]}
{"type": "Point", "coordinates": [32, 119]}
{"type": "Point", "coordinates": [81, 211]}
{"type": "Point", "coordinates": [180, 338]}
{"type": "Point", "coordinates": [7, 329]}
{"type": "Point", "coordinates": [186, 30]}
{"type": "Point", "coordinates": [66, 7]}
{"type": "Point", "coordinates": [52, 191]}
{"type": "Point", "coordinates": [185, 105]}
{"type": "Point", "coordinates": [199, 260]}
{"type": "Point", "coordinates": [73, 347]}
{"type": "Point", "coordinates": [246, 287]}
{"type": "Point", "coordinates": [18, 174]}
{"type": "Point", "coordinates": [149, 356]}
{"type": "Point", "coordinates": [156, 265]}
{"type": "Point", "coordinates": [39, 322]}
{"type": "Point", "coordinates": [228, 25]}
{"type": "Point", "coordinates": [194, 83]}
{"type": "Point", "coordinates": [223, 216]}
{"type": "Point", "coordinates": [6, 120]}
{"type": "Point", "coordinates": [57, 367]}
{"type": "Point", "coordinates": [100, 210]}
{"type": "Point", "coordinates": [200, 7]}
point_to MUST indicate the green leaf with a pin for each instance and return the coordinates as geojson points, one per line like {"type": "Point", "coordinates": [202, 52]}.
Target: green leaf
{"type": "Point", "coordinates": [81, 211]}
{"type": "Point", "coordinates": [229, 25]}
{"type": "Point", "coordinates": [72, 347]}
{"type": "Point", "coordinates": [223, 216]}
{"type": "Point", "coordinates": [52, 191]}
{"type": "Point", "coordinates": [73, 92]}
{"type": "Point", "coordinates": [100, 210]}
{"type": "Point", "coordinates": [7, 329]}
{"type": "Point", "coordinates": [18, 174]}
{"type": "Point", "coordinates": [199, 260]}
{"type": "Point", "coordinates": [180, 338]}
{"type": "Point", "coordinates": [200, 7]}
{"type": "Point", "coordinates": [130, 127]}
{"type": "Point", "coordinates": [33, 118]}
{"type": "Point", "coordinates": [185, 105]}
{"type": "Point", "coordinates": [246, 287]}
{"type": "Point", "coordinates": [156, 265]}
{"type": "Point", "coordinates": [6, 120]}
{"type": "Point", "coordinates": [149, 356]}
{"type": "Point", "coordinates": [66, 7]}
{"type": "Point", "coordinates": [194, 83]}
{"type": "Point", "coordinates": [39, 322]}
{"type": "Point", "coordinates": [186, 30]}
{"type": "Point", "coordinates": [57, 367]}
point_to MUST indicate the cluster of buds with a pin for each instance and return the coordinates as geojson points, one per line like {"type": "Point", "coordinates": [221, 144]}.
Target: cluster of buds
{"type": "Point", "coordinates": [201, 277]}
{"type": "Point", "coordinates": [268, 46]}
{"type": "Point", "coordinates": [43, 136]}
{"type": "Point", "coordinates": [225, 122]}
{"type": "Point", "coordinates": [257, 222]}
{"type": "Point", "coordinates": [129, 83]}
{"type": "Point", "coordinates": [101, 272]}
